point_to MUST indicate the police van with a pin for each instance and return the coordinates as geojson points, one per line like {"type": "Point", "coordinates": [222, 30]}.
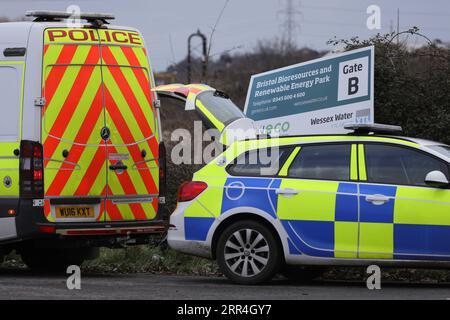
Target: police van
{"type": "Point", "coordinates": [81, 158]}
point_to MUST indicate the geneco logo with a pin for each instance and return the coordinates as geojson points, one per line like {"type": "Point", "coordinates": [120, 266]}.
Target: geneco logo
{"type": "Point", "coordinates": [278, 128]}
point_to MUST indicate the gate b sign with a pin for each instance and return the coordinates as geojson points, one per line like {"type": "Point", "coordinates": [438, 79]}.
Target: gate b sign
{"type": "Point", "coordinates": [353, 79]}
{"type": "Point", "coordinates": [314, 97]}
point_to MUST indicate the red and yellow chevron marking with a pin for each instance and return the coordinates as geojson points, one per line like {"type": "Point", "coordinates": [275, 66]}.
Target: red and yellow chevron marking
{"type": "Point", "coordinates": [121, 133]}
{"type": "Point", "coordinates": [47, 210]}
{"type": "Point", "coordinates": [129, 86]}
{"type": "Point", "coordinates": [115, 212]}
{"type": "Point", "coordinates": [120, 184]}
{"type": "Point", "coordinates": [87, 87]}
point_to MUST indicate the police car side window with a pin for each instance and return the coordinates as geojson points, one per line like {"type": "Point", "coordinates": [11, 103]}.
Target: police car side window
{"type": "Point", "coordinates": [322, 162]}
{"type": "Point", "coordinates": [398, 165]}
{"type": "Point", "coordinates": [259, 162]}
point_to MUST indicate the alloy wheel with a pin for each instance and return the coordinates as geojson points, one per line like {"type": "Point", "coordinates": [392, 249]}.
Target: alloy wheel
{"type": "Point", "coordinates": [246, 252]}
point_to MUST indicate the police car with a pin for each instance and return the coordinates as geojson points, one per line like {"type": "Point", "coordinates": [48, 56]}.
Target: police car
{"type": "Point", "coordinates": [296, 204]}
{"type": "Point", "coordinates": [81, 160]}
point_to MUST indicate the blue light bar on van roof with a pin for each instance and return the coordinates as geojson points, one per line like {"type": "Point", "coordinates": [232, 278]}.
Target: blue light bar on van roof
{"type": "Point", "coordinates": [374, 128]}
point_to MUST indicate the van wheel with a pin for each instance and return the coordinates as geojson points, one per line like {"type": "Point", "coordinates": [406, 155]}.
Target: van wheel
{"type": "Point", "coordinates": [56, 260]}
{"type": "Point", "coordinates": [302, 274]}
{"type": "Point", "coordinates": [248, 253]}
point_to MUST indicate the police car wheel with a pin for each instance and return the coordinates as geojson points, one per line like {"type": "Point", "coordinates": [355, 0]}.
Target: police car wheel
{"type": "Point", "coordinates": [248, 253]}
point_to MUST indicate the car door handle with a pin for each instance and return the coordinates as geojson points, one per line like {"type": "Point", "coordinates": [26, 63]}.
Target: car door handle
{"type": "Point", "coordinates": [377, 199]}
{"type": "Point", "coordinates": [287, 192]}
{"type": "Point", "coordinates": [118, 167]}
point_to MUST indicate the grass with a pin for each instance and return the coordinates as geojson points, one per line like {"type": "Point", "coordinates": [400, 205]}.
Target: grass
{"type": "Point", "coordinates": [403, 275]}
{"type": "Point", "coordinates": [149, 259]}
{"type": "Point", "coordinates": [159, 260]}
{"type": "Point", "coordinates": [13, 260]}
{"type": "Point", "coordinates": [138, 259]}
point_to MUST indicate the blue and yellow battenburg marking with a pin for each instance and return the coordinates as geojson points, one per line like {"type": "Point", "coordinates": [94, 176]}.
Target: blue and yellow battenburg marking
{"type": "Point", "coordinates": [377, 235]}
{"type": "Point", "coordinates": [257, 193]}
{"type": "Point", "coordinates": [329, 219]}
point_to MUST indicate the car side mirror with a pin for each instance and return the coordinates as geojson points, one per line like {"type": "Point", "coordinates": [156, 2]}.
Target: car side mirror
{"type": "Point", "coordinates": [436, 179]}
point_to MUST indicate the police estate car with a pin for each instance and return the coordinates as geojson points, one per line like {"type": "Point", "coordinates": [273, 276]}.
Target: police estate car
{"type": "Point", "coordinates": [367, 197]}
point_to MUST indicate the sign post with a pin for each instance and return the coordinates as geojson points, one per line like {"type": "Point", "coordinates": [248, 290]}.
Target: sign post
{"type": "Point", "coordinates": [314, 97]}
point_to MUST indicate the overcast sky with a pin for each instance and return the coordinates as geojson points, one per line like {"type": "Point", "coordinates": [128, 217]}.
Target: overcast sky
{"type": "Point", "coordinates": [167, 24]}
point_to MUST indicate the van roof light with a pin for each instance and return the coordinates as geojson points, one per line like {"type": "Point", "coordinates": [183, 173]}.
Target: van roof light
{"type": "Point", "coordinates": [374, 128]}
{"type": "Point", "coordinates": [45, 15]}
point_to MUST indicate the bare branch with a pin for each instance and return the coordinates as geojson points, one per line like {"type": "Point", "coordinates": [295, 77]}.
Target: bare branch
{"type": "Point", "coordinates": [172, 50]}
{"type": "Point", "coordinates": [215, 27]}
{"type": "Point", "coordinates": [228, 50]}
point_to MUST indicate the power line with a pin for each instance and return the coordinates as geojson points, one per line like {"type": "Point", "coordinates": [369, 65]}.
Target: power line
{"type": "Point", "coordinates": [398, 24]}
{"type": "Point", "coordinates": [390, 27]}
{"type": "Point", "coordinates": [415, 13]}
{"type": "Point", "coordinates": [291, 25]}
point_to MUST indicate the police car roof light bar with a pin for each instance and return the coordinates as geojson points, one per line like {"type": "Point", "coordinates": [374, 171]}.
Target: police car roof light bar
{"type": "Point", "coordinates": [373, 128]}
{"type": "Point", "coordinates": [44, 15]}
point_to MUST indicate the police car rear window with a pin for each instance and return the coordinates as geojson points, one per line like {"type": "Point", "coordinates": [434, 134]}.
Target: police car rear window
{"type": "Point", "coordinates": [259, 162]}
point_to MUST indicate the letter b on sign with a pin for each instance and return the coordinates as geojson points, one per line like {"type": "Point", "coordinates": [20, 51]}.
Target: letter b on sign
{"type": "Point", "coordinates": [353, 79]}
{"type": "Point", "coordinates": [353, 85]}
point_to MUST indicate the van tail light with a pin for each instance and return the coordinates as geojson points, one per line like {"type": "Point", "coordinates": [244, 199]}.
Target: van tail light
{"type": "Point", "coordinates": [162, 170]}
{"type": "Point", "coordinates": [190, 190]}
{"type": "Point", "coordinates": [31, 170]}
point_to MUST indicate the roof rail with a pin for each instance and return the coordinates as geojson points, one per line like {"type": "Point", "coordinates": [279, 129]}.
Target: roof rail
{"type": "Point", "coordinates": [44, 15]}
{"type": "Point", "coordinates": [374, 128]}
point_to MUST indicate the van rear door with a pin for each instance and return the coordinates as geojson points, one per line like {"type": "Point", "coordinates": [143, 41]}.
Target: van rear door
{"type": "Point", "coordinates": [99, 127]}
{"type": "Point", "coordinates": [133, 145]}
{"type": "Point", "coordinates": [72, 122]}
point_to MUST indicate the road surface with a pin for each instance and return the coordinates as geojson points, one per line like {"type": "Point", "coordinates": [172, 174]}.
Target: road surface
{"type": "Point", "coordinates": [23, 284]}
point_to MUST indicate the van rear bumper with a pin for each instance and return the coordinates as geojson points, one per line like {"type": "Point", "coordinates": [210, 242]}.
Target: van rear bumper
{"type": "Point", "coordinates": [111, 235]}
{"type": "Point", "coordinates": [129, 228]}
